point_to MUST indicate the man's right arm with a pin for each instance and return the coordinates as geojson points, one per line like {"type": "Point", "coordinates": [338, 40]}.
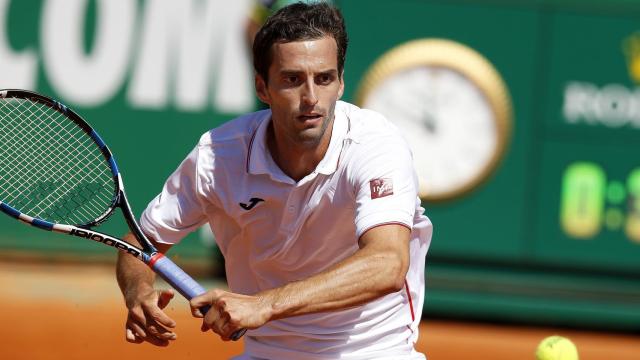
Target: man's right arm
{"type": "Point", "coordinates": [179, 207]}
{"type": "Point", "coordinates": [146, 321]}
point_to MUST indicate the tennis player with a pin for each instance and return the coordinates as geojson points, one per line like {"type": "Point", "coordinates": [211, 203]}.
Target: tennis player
{"type": "Point", "coordinates": [313, 204]}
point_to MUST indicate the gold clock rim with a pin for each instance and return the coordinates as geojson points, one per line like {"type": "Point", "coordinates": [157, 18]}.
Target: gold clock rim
{"type": "Point", "coordinates": [464, 60]}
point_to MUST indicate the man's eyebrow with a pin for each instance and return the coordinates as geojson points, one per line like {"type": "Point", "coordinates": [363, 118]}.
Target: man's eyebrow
{"type": "Point", "coordinates": [296, 72]}
{"type": "Point", "coordinates": [329, 72]}
{"type": "Point", "coordinates": [289, 72]}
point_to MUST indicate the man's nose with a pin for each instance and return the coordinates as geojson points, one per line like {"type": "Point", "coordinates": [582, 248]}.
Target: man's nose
{"type": "Point", "coordinates": [309, 93]}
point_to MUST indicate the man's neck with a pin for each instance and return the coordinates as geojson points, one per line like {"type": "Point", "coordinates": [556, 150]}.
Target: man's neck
{"type": "Point", "coordinates": [297, 160]}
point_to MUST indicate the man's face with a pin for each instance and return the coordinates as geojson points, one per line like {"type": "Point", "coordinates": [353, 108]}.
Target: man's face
{"type": "Point", "coordinates": [303, 88]}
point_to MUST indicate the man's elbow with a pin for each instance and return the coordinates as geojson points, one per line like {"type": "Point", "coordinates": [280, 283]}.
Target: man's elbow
{"type": "Point", "coordinates": [396, 273]}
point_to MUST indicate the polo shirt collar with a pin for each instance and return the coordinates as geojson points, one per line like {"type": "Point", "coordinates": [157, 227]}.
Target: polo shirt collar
{"type": "Point", "coordinates": [259, 159]}
{"type": "Point", "coordinates": [329, 163]}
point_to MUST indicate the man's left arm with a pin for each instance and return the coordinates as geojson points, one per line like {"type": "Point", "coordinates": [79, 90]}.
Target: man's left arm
{"type": "Point", "coordinates": [378, 268]}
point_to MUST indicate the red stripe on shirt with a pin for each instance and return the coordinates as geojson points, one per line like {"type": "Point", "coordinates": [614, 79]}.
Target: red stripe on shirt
{"type": "Point", "coordinates": [406, 286]}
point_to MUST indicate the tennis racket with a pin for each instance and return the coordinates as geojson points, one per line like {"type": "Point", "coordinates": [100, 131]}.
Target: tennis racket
{"type": "Point", "coordinates": [57, 174]}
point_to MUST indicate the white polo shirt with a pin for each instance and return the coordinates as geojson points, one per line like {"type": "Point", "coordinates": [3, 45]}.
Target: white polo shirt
{"type": "Point", "coordinates": [273, 230]}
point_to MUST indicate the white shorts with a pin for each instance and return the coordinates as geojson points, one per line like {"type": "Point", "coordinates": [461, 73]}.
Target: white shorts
{"type": "Point", "coordinates": [413, 356]}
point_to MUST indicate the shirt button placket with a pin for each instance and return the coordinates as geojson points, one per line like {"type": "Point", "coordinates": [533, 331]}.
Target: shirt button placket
{"type": "Point", "coordinates": [290, 210]}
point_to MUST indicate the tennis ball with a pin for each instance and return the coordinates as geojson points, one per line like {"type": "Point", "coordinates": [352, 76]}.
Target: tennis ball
{"type": "Point", "coordinates": [556, 348]}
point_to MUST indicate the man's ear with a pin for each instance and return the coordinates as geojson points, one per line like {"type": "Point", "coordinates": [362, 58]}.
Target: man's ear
{"type": "Point", "coordinates": [341, 90]}
{"type": "Point", "coordinates": [261, 89]}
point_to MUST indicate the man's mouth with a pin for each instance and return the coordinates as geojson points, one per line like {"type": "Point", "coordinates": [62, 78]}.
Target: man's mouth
{"type": "Point", "coordinates": [309, 117]}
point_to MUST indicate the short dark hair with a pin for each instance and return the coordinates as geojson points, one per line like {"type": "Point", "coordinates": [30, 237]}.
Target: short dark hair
{"type": "Point", "coordinates": [297, 22]}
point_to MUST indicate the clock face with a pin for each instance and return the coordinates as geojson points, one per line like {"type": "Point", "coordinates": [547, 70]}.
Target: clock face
{"type": "Point", "coordinates": [447, 121]}
{"type": "Point", "coordinates": [452, 107]}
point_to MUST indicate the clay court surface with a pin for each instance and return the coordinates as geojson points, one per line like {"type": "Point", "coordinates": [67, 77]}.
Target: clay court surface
{"type": "Point", "coordinates": [75, 312]}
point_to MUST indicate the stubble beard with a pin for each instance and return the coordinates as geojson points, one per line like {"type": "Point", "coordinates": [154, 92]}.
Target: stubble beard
{"type": "Point", "coordinates": [308, 139]}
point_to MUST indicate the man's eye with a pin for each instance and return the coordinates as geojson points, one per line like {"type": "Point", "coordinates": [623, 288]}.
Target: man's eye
{"type": "Point", "coordinates": [325, 79]}
{"type": "Point", "coordinates": [291, 79]}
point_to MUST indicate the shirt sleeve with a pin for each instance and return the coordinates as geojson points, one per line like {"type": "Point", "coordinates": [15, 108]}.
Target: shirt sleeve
{"type": "Point", "coordinates": [178, 209]}
{"type": "Point", "coordinates": [386, 184]}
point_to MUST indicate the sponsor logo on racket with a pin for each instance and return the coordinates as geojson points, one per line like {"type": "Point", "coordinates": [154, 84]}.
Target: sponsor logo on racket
{"type": "Point", "coordinates": [105, 240]}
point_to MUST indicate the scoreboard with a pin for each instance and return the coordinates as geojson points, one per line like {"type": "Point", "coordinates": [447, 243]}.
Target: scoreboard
{"type": "Point", "coordinates": [553, 233]}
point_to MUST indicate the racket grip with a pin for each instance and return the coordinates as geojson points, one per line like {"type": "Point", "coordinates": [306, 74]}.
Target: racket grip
{"type": "Point", "coordinates": [181, 281]}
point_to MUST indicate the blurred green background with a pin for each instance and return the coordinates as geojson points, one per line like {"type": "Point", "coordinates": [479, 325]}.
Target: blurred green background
{"type": "Point", "coordinates": [553, 235]}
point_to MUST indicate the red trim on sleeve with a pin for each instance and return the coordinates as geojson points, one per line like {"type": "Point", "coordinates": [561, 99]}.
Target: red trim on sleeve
{"type": "Point", "coordinates": [406, 286]}
{"type": "Point", "coordinates": [154, 259]}
{"type": "Point", "coordinates": [387, 223]}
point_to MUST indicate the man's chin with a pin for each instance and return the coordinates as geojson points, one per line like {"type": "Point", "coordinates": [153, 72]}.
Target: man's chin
{"type": "Point", "coordinates": [309, 140]}
{"type": "Point", "coordinates": [310, 137]}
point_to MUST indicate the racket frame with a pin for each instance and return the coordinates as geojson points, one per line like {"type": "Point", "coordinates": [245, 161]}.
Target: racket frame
{"type": "Point", "coordinates": [148, 254]}
{"type": "Point", "coordinates": [119, 199]}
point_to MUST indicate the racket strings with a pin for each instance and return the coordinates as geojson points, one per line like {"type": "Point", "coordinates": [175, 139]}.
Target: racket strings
{"type": "Point", "coordinates": [68, 127]}
{"type": "Point", "coordinates": [49, 167]}
{"type": "Point", "coordinates": [70, 201]}
{"type": "Point", "coordinates": [47, 156]}
{"type": "Point", "coordinates": [22, 147]}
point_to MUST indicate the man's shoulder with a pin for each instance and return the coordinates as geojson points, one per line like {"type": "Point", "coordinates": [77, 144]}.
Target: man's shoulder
{"type": "Point", "coordinates": [366, 125]}
{"type": "Point", "coordinates": [374, 141]}
{"type": "Point", "coordinates": [226, 146]}
{"type": "Point", "coordinates": [236, 132]}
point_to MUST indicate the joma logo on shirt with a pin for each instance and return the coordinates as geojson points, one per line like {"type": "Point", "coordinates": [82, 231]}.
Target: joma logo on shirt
{"type": "Point", "coordinates": [252, 202]}
{"type": "Point", "coordinates": [381, 187]}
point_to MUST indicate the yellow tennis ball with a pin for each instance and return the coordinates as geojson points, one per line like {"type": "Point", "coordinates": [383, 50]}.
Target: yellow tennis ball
{"type": "Point", "coordinates": [556, 348]}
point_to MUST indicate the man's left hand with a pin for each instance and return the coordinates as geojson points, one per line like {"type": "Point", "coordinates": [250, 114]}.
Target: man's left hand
{"type": "Point", "coordinates": [230, 312]}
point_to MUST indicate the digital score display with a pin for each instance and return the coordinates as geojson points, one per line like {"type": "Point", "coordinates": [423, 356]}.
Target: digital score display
{"type": "Point", "coordinates": [587, 205]}
{"type": "Point", "coordinates": [590, 201]}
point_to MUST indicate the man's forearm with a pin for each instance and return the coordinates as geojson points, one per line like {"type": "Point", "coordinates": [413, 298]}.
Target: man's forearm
{"type": "Point", "coordinates": [355, 281]}
{"type": "Point", "coordinates": [372, 272]}
{"type": "Point", "coordinates": [131, 272]}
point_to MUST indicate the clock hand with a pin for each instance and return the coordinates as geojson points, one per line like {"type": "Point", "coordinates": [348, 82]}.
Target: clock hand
{"type": "Point", "coordinates": [430, 121]}
{"type": "Point", "coordinates": [429, 118]}
{"type": "Point", "coordinates": [429, 110]}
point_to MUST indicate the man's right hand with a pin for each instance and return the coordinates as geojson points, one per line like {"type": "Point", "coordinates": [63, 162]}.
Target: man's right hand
{"type": "Point", "coordinates": [146, 321]}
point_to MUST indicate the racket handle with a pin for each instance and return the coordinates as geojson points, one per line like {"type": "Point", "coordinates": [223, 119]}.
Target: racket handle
{"type": "Point", "coordinates": [181, 281]}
